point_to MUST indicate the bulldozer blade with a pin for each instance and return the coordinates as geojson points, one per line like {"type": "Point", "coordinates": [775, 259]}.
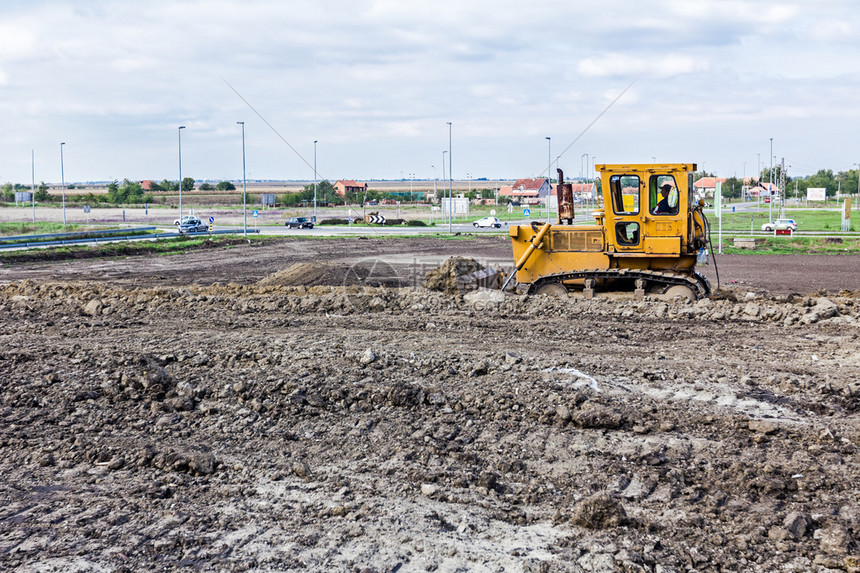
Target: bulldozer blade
{"type": "Point", "coordinates": [487, 278]}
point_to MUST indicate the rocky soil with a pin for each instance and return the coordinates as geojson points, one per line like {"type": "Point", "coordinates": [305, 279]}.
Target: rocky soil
{"type": "Point", "coordinates": [276, 428]}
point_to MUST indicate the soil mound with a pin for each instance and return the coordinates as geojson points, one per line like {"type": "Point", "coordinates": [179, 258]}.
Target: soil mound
{"type": "Point", "coordinates": [444, 277]}
{"type": "Point", "coordinates": [305, 274]}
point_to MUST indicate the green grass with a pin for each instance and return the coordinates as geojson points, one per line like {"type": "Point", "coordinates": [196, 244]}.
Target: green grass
{"type": "Point", "coordinates": [798, 246]}
{"type": "Point", "coordinates": [171, 246]}
{"type": "Point", "coordinates": [17, 228]}
{"type": "Point", "coordinates": [807, 220]}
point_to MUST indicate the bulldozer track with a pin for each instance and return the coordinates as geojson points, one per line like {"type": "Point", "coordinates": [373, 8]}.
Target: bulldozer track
{"type": "Point", "coordinates": [697, 282]}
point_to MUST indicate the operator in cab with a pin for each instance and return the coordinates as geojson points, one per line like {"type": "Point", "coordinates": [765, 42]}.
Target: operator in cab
{"type": "Point", "coordinates": [663, 207]}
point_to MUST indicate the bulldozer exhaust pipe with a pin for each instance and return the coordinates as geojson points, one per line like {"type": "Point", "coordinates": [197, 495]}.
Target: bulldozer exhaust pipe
{"type": "Point", "coordinates": [565, 200]}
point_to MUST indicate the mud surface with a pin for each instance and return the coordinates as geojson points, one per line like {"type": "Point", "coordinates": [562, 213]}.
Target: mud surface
{"type": "Point", "coordinates": [408, 259]}
{"type": "Point", "coordinates": [153, 420]}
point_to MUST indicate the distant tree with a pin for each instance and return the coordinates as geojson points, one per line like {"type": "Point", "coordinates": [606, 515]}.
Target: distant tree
{"type": "Point", "coordinates": [732, 187]}
{"type": "Point", "coordinates": [225, 186]}
{"type": "Point", "coordinates": [167, 185]}
{"type": "Point", "coordinates": [824, 178]}
{"type": "Point", "coordinates": [188, 184]}
{"type": "Point", "coordinates": [206, 187]}
{"type": "Point", "coordinates": [129, 192]}
{"type": "Point", "coordinates": [777, 175]}
{"type": "Point", "coordinates": [42, 193]}
{"type": "Point", "coordinates": [326, 193]}
{"type": "Point", "coordinates": [848, 179]}
{"type": "Point", "coordinates": [291, 199]}
{"type": "Point", "coordinates": [8, 192]}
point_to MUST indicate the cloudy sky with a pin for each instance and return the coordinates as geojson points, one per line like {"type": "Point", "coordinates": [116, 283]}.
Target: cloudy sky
{"type": "Point", "coordinates": [376, 81]}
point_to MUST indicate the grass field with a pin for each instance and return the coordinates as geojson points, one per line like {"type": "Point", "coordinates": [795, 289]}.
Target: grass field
{"type": "Point", "coordinates": [797, 246]}
{"type": "Point", "coordinates": [806, 219]}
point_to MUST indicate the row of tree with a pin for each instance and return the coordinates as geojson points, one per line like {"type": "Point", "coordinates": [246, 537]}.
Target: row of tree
{"type": "Point", "coordinates": [131, 192]}
{"type": "Point", "coordinates": [127, 192]}
{"type": "Point", "coordinates": [842, 182]}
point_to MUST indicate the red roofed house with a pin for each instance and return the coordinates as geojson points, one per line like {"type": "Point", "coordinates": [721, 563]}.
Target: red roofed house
{"type": "Point", "coordinates": [708, 185]}
{"type": "Point", "coordinates": [526, 190]}
{"type": "Point", "coordinates": [580, 190]}
{"type": "Point", "coordinates": [764, 190]}
{"type": "Point", "coordinates": [345, 186]}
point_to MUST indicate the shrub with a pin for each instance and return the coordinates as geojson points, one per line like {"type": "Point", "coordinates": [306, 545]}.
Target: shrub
{"type": "Point", "coordinates": [334, 221]}
{"type": "Point", "coordinates": [394, 222]}
{"type": "Point", "coordinates": [416, 223]}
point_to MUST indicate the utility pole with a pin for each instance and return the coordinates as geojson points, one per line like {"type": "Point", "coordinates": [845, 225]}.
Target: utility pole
{"type": "Point", "coordinates": [63, 178]}
{"type": "Point", "coordinates": [782, 187]}
{"type": "Point", "coordinates": [244, 185]}
{"type": "Point", "coordinates": [33, 198]}
{"type": "Point", "coordinates": [315, 181]}
{"type": "Point", "coordinates": [548, 176]}
{"type": "Point", "coordinates": [179, 131]}
{"type": "Point", "coordinates": [443, 187]}
{"type": "Point", "coordinates": [450, 182]}
{"type": "Point", "coordinates": [770, 194]}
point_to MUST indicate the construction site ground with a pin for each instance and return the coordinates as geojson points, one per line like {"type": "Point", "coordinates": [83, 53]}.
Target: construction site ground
{"type": "Point", "coordinates": [308, 405]}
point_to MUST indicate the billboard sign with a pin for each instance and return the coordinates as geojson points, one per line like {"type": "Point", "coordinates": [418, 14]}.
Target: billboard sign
{"type": "Point", "coordinates": [816, 194]}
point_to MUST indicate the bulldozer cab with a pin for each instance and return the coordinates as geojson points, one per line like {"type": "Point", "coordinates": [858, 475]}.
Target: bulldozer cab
{"type": "Point", "coordinates": [647, 207]}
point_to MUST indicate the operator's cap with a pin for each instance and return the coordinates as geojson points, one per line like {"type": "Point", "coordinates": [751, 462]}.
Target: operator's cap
{"type": "Point", "coordinates": [666, 186]}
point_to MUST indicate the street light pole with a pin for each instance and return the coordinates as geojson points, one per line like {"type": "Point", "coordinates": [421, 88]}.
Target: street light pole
{"type": "Point", "coordinates": [411, 181]}
{"type": "Point", "coordinates": [63, 179]}
{"type": "Point", "coordinates": [315, 181]}
{"type": "Point", "coordinates": [244, 186]}
{"type": "Point", "coordinates": [33, 197]}
{"type": "Point", "coordinates": [444, 178]}
{"type": "Point", "coordinates": [179, 131]}
{"type": "Point", "coordinates": [548, 176]}
{"type": "Point", "coordinates": [770, 187]}
{"type": "Point", "coordinates": [450, 182]}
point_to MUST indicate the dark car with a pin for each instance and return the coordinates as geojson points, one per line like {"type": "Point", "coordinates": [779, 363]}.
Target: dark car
{"type": "Point", "coordinates": [299, 223]}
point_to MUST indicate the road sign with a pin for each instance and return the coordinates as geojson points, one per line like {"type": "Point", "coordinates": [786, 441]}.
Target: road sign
{"type": "Point", "coordinates": [211, 220]}
{"type": "Point", "coordinates": [493, 212]}
{"type": "Point", "coordinates": [527, 212]}
{"type": "Point", "coordinates": [255, 213]}
{"type": "Point", "coordinates": [375, 219]}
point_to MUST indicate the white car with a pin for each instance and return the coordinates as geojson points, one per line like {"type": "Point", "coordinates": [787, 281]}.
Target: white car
{"type": "Point", "coordinates": [192, 225]}
{"type": "Point", "coordinates": [780, 224]}
{"type": "Point", "coordinates": [487, 222]}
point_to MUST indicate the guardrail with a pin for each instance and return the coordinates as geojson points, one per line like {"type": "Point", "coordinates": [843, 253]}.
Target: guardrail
{"type": "Point", "coordinates": [60, 236]}
{"type": "Point", "coordinates": [4, 244]}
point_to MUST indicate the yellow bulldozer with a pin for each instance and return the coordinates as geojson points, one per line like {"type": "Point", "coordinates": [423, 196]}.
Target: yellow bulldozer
{"type": "Point", "coordinates": [647, 238]}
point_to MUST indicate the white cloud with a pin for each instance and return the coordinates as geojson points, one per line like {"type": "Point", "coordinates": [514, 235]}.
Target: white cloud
{"type": "Point", "coordinates": [389, 74]}
{"type": "Point", "coordinates": [633, 66]}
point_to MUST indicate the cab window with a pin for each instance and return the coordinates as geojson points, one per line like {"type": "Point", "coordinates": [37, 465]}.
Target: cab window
{"type": "Point", "coordinates": [663, 195]}
{"type": "Point", "coordinates": [625, 194]}
{"type": "Point", "coordinates": [627, 233]}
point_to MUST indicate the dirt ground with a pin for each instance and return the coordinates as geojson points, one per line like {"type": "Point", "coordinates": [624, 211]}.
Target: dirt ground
{"type": "Point", "coordinates": [241, 409]}
{"type": "Point", "coordinates": [407, 260]}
